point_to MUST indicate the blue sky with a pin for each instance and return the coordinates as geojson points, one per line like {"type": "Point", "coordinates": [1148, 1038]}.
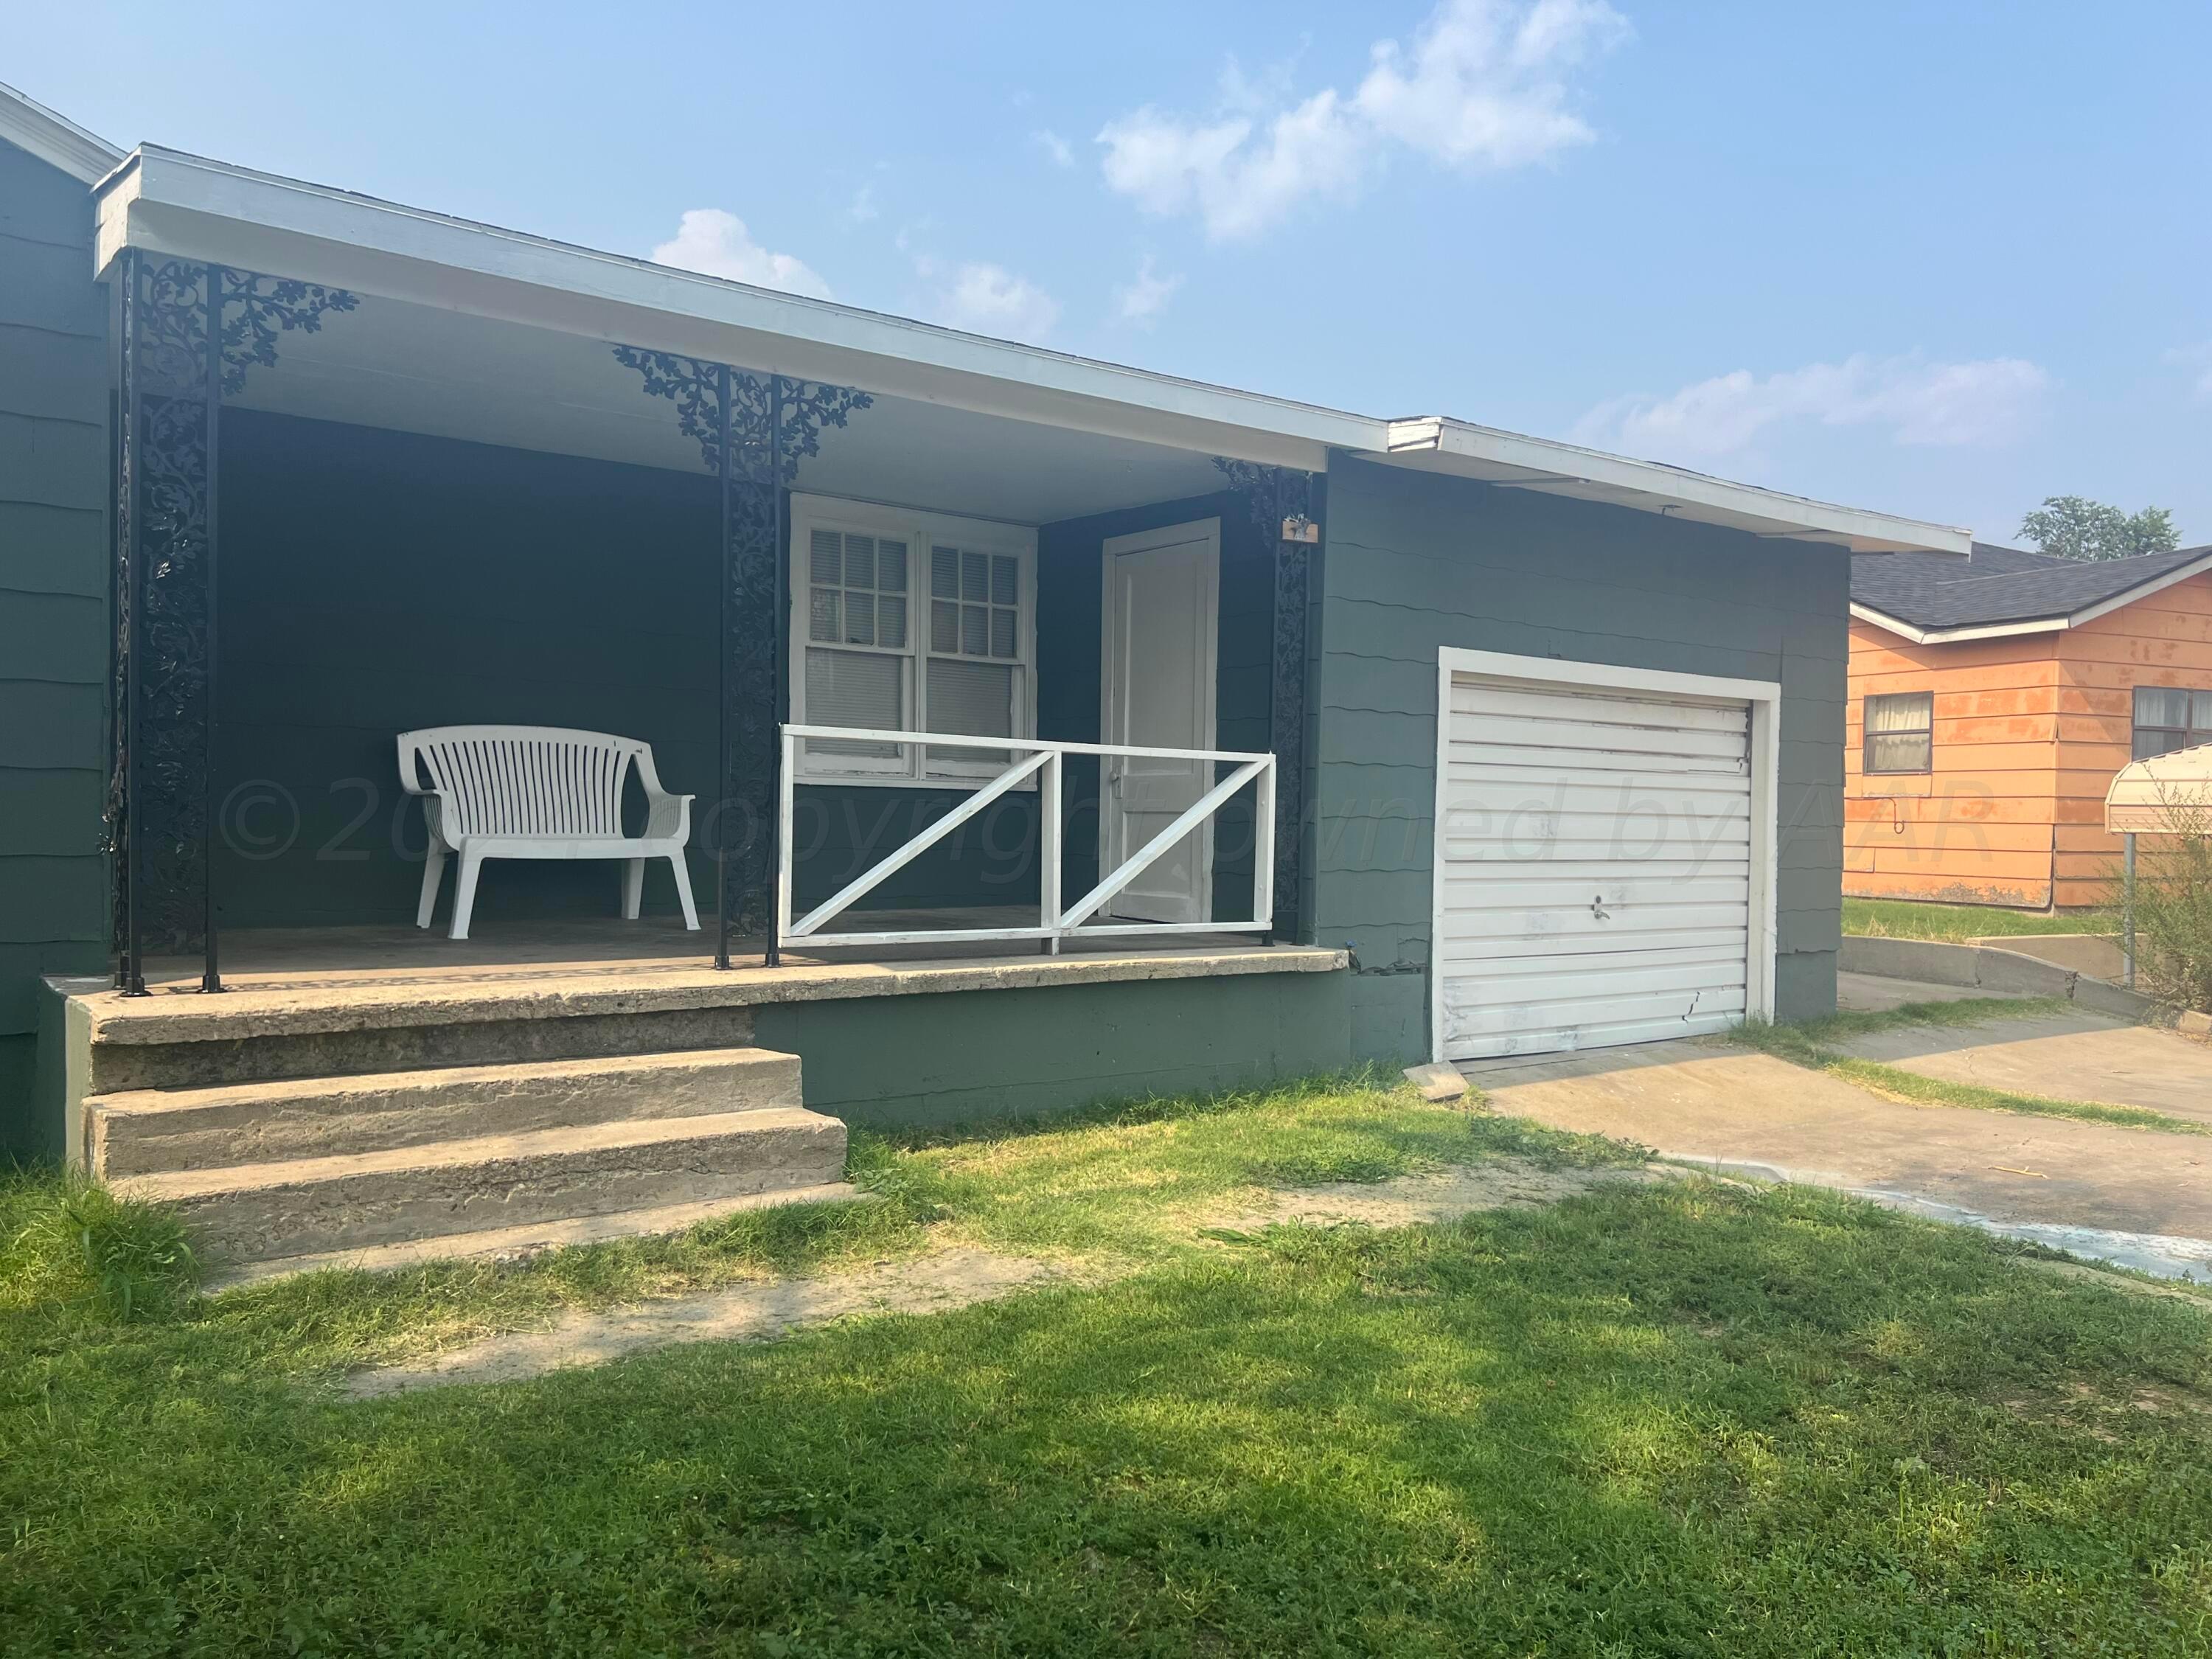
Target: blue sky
{"type": "Point", "coordinates": [1944, 260]}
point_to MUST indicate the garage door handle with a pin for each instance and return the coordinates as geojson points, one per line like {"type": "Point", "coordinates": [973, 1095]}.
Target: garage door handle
{"type": "Point", "coordinates": [1597, 909]}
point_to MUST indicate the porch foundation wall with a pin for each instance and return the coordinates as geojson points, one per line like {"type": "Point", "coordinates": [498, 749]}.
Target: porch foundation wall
{"type": "Point", "coordinates": [971, 1056]}
{"type": "Point", "coordinates": [33, 1121]}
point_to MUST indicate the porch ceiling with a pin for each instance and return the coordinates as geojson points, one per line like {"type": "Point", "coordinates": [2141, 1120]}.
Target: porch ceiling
{"type": "Point", "coordinates": [418, 369]}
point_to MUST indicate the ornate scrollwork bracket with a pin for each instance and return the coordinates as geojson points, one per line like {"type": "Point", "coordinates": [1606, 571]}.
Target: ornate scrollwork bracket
{"type": "Point", "coordinates": [258, 309]}
{"type": "Point", "coordinates": [1280, 503]}
{"type": "Point", "coordinates": [698, 391]}
{"type": "Point", "coordinates": [765, 425]}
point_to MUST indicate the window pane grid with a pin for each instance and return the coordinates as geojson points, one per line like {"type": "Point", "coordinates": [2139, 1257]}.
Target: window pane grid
{"type": "Point", "coordinates": [967, 645]}
{"type": "Point", "coordinates": [974, 608]}
{"type": "Point", "coordinates": [856, 589]}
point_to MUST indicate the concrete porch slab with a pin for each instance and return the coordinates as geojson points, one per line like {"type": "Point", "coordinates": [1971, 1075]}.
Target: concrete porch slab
{"type": "Point", "coordinates": [354, 1001]}
{"type": "Point", "coordinates": [257, 959]}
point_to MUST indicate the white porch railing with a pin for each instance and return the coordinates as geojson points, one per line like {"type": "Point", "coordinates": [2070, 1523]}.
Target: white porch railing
{"type": "Point", "coordinates": [1033, 757]}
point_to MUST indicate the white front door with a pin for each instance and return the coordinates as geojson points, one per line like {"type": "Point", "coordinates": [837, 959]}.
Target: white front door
{"type": "Point", "coordinates": [1160, 637]}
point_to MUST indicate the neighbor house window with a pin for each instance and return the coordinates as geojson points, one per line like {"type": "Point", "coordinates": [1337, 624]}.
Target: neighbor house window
{"type": "Point", "coordinates": [2167, 719]}
{"type": "Point", "coordinates": [909, 621]}
{"type": "Point", "coordinates": [1900, 733]}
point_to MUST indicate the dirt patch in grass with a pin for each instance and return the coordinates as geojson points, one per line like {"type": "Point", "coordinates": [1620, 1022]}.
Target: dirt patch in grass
{"type": "Point", "coordinates": [1437, 1196]}
{"type": "Point", "coordinates": [754, 1313]}
{"type": "Point", "coordinates": [960, 1276]}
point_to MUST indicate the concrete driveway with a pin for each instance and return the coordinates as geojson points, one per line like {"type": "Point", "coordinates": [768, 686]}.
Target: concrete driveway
{"type": "Point", "coordinates": [2068, 1053]}
{"type": "Point", "coordinates": [2141, 1196]}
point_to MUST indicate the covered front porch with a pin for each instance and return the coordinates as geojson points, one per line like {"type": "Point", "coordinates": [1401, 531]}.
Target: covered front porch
{"type": "Point", "coordinates": [350, 513]}
{"type": "Point", "coordinates": [975, 709]}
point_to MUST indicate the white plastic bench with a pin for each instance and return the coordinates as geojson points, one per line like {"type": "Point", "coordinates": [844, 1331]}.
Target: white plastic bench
{"type": "Point", "coordinates": [539, 791]}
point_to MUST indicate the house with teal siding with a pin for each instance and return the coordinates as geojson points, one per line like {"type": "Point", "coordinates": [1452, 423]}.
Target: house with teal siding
{"type": "Point", "coordinates": [55, 561]}
{"type": "Point", "coordinates": [506, 736]}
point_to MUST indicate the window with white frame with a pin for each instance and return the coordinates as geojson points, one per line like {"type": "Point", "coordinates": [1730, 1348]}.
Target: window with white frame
{"type": "Point", "coordinates": [909, 621]}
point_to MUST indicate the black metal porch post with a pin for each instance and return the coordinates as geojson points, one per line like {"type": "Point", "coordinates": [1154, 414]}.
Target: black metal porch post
{"type": "Point", "coordinates": [1286, 715]}
{"type": "Point", "coordinates": [189, 332]}
{"type": "Point", "coordinates": [725, 461]}
{"type": "Point", "coordinates": [780, 694]}
{"type": "Point", "coordinates": [210, 973]}
{"type": "Point", "coordinates": [752, 430]}
{"type": "Point", "coordinates": [1281, 501]}
{"type": "Point", "coordinates": [161, 820]}
{"type": "Point", "coordinates": [123, 802]}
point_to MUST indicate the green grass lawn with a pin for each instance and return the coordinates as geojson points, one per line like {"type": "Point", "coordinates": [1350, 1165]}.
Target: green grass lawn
{"type": "Point", "coordinates": [1897, 919]}
{"type": "Point", "coordinates": [1674, 1420]}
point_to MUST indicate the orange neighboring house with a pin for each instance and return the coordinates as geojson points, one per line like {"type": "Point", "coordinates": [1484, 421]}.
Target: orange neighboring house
{"type": "Point", "coordinates": [1993, 697]}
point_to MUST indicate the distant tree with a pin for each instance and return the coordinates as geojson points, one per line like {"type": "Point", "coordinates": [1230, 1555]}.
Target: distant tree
{"type": "Point", "coordinates": [2076, 528]}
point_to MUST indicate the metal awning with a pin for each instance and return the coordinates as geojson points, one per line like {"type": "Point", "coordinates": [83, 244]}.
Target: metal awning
{"type": "Point", "coordinates": [2168, 794]}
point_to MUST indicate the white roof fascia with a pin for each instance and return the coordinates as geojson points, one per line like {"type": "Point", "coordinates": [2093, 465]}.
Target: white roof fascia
{"type": "Point", "coordinates": [55, 139]}
{"type": "Point", "coordinates": [1954, 635]}
{"type": "Point", "coordinates": [2039, 625]}
{"type": "Point", "coordinates": [187, 207]}
{"type": "Point", "coordinates": [1486, 451]}
{"type": "Point", "coordinates": [1869, 614]}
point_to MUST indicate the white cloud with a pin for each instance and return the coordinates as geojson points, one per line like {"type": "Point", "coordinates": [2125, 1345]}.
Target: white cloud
{"type": "Point", "coordinates": [717, 243]}
{"type": "Point", "coordinates": [1147, 295]}
{"type": "Point", "coordinates": [988, 299]}
{"type": "Point", "coordinates": [864, 207]}
{"type": "Point", "coordinates": [1483, 86]}
{"type": "Point", "coordinates": [1941, 404]}
{"type": "Point", "coordinates": [1062, 153]}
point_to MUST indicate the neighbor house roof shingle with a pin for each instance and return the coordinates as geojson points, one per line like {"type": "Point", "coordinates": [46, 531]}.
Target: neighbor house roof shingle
{"type": "Point", "coordinates": [1995, 585]}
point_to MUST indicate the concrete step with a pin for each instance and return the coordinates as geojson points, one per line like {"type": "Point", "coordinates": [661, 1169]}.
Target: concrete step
{"type": "Point", "coordinates": [157, 1131]}
{"type": "Point", "coordinates": [303, 1207]}
{"type": "Point", "coordinates": [519, 1243]}
{"type": "Point", "coordinates": [178, 1041]}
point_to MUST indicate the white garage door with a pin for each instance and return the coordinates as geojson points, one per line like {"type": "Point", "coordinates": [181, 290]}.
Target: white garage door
{"type": "Point", "coordinates": [1597, 868]}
